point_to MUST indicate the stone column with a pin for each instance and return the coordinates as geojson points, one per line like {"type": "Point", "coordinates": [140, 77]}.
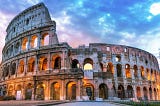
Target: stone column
{"type": "Point", "coordinates": [63, 60]}
{"type": "Point", "coordinates": [139, 73]}
{"type": "Point", "coordinates": [25, 65]}
{"type": "Point", "coordinates": [62, 91]}
{"type": "Point", "coordinates": [49, 61]}
{"type": "Point", "coordinates": [142, 93]}
{"type": "Point", "coordinates": [78, 85]}
{"type": "Point", "coordinates": [29, 42]}
{"type": "Point", "coordinates": [38, 40]}
{"type": "Point", "coordinates": [47, 90]}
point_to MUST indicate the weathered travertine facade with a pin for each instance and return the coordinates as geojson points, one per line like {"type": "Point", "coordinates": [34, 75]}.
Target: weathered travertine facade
{"type": "Point", "coordinates": [36, 66]}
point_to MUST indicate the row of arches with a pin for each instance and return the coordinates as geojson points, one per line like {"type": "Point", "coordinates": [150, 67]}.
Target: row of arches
{"type": "Point", "coordinates": [26, 43]}
{"type": "Point", "coordinates": [88, 64]}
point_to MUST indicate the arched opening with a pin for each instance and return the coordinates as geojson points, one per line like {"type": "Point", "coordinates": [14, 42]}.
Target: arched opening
{"type": "Point", "coordinates": [110, 68]}
{"type": "Point", "coordinates": [31, 65]}
{"type": "Point", "coordinates": [89, 90]}
{"type": "Point", "coordinates": [103, 91]}
{"type": "Point", "coordinates": [13, 68]}
{"type": "Point", "coordinates": [25, 43]}
{"type": "Point", "coordinates": [148, 74]}
{"type": "Point", "coordinates": [145, 93]}
{"type": "Point", "coordinates": [88, 64]}
{"type": "Point", "coordinates": [40, 91]}
{"type": "Point", "coordinates": [119, 70]}
{"type": "Point", "coordinates": [150, 93]}
{"type": "Point", "coordinates": [128, 73]}
{"type": "Point", "coordinates": [121, 93]}
{"type": "Point", "coordinates": [130, 91]}
{"type": "Point", "coordinates": [18, 92]}
{"type": "Point", "coordinates": [152, 77]}
{"type": "Point", "coordinates": [21, 66]}
{"type": "Point", "coordinates": [10, 90]}
{"type": "Point", "coordinates": [6, 70]}
{"type": "Point", "coordinates": [55, 91]}
{"type": "Point", "coordinates": [16, 47]}
{"type": "Point", "coordinates": [71, 91]}
{"type": "Point", "coordinates": [138, 89]}
{"type": "Point", "coordinates": [118, 58]}
{"type": "Point", "coordinates": [57, 63]}
{"type": "Point", "coordinates": [75, 63]}
{"type": "Point", "coordinates": [135, 71]}
{"type": "Point", "coordinates": [28, 93]}
{"type": "Point", "coordinates": [155, 94]}
{"type": "Point", "coordinates": [34, 41]}
{"type": "Point", "coordinates": [45, 39]}
{"type": "Point", "coordinates": [101, 66]}
{"type": "Point", "coordinates": [43, 64]}
{"type": "Point", "coordinates": [142, 72]}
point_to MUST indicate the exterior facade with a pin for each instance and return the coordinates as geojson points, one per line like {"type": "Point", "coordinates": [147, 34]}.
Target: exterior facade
{"type": "Point", "coordinates": [36, 66]}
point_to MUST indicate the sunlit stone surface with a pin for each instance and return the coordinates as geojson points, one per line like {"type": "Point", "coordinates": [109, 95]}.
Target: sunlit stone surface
{"type": "Point", "coordinates": [36, 66]}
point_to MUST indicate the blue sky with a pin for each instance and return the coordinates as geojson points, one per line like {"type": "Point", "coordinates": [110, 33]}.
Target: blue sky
{"type": "Point", "coordinates": [134, 23]}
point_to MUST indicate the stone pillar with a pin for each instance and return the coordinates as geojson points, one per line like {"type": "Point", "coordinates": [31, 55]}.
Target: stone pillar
{"type": "Point", "coordinates": [62, 91]}
{"type": "Point", "coordinates": [38, 40]}
{"type": "Point", "coordinates": [132, 73]}
{"type": "Point", "coordinates": [135, 92]}
{"type": "Point", "coordinates": [36, 65]}
{"type": "Point", "coordinates": [25, 65]}
{"type": "Point", "coordinates": [63, 60]}
{"type": "Point", "coordinates": [142, 93]}
{"type": "Point", "coordinates": [47, 96]}
{"type": "Point", "coordinates": [49, 61]}
{"type": "Point", "coordinates": [139, 73]}
{"type": "Point", "coordinates": [78, 85]}
{"type": "Point", "coordinates": [29, 42]}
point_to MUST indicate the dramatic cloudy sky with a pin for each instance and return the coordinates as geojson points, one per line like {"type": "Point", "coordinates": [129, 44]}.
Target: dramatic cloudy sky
{"type": "Point", "coordinates": [127, 22]}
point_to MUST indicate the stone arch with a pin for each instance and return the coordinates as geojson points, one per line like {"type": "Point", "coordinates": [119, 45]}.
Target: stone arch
{"type": "Point", "coordinates": [101, 66]}
{"type": "Point", "coordinates": [40, 91]}
{"type": "Point", "coordinates": [110, 68]}
{"type": "Point", "coordinates": [10, 90]}
{"type": "Point", "coordinates": [121, 93]}
{"type": "Point", "coordinates": [18, 92]}
{"type": "Point", "coordinates": [150, 93]}
{"type": "Point", "coordinates": [21, 66]}
{"type": "Point", "coordinates": [138, 91]}
{"type": "Point", "coordinates": [13, 68]}
{"type": "Point", "coordinates": [128, 72]}
{"type": "Point", "coordinates": [130, 91]}
{"type": "Point", "coordinates": [88, 64]}
{"type": "Point", "coordinates": [89, 90]}
{"type": "Point", "coordinates": [31, 64]}
{"type": "Point", "coordinates": [28, 92]}
{"type": "Point", "coordinates": [148, 74]}
{"type": "Point", "coordinates": [145, 92]}
{"type": "Point", "coordinates": [33, 43]}
{"type": "Point", "coordinates": [6, 71]}
{"type": "Point", "coordinates": [16, 47]}
{"type": "Point", "coordinates": [135, 71]}
{"type": "Point", "coordinates": [71, 90]}
{"type": "Point", "coordinates": [55, 91]}
{"type": "Point", "coordinates": [142, 72]}
{"type": "Point", "coordinates": [24, 43]}
{"type": "Point", "coordinates": [45, 39]}
{"type": "Point", "coordinates": [56, 62]}
{"type": "Point", "coordinates": [43, 63]}
{"type": "Point", "coordinates": [75, 63]}
{"type": "Point", "coordinates": [119, 70]}
{"type": "Point", "coordinates": [103, 91]}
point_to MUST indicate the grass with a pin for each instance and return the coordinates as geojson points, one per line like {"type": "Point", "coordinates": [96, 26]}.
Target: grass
{"type": "Point", "coordinates": [141, 103]}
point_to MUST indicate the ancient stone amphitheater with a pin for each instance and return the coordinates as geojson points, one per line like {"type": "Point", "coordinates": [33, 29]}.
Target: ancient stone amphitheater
{"type": "Point", "coordinates": [36, 66]}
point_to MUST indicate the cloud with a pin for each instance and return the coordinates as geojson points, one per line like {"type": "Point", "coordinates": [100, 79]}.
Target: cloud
{"type": "Point", "coordinates": [155, 8]}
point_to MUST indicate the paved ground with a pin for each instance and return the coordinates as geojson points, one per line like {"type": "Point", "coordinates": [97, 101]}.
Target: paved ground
{"type": "Point", "coordinates": [56, 103]}
{"type": "Point", "coordinates": [90, 104]}
{"type": "Point", "coordinates": [28, 103]}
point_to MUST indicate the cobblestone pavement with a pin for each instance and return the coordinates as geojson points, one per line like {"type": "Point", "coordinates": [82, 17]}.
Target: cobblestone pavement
{"type": "Point", "coordinates": [28, 103]}
{"type": "Point", "coordinates": [90, 104]}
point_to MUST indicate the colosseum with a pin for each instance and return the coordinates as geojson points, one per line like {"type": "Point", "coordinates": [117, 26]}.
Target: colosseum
{"type": "Point", "coordinates": [36, 66]}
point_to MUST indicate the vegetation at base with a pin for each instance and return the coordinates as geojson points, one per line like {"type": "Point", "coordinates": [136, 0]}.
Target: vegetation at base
{"type": "Point", "coordinates": [7, 98]}
{"type": "Point", "coordinates": [143, 103]}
